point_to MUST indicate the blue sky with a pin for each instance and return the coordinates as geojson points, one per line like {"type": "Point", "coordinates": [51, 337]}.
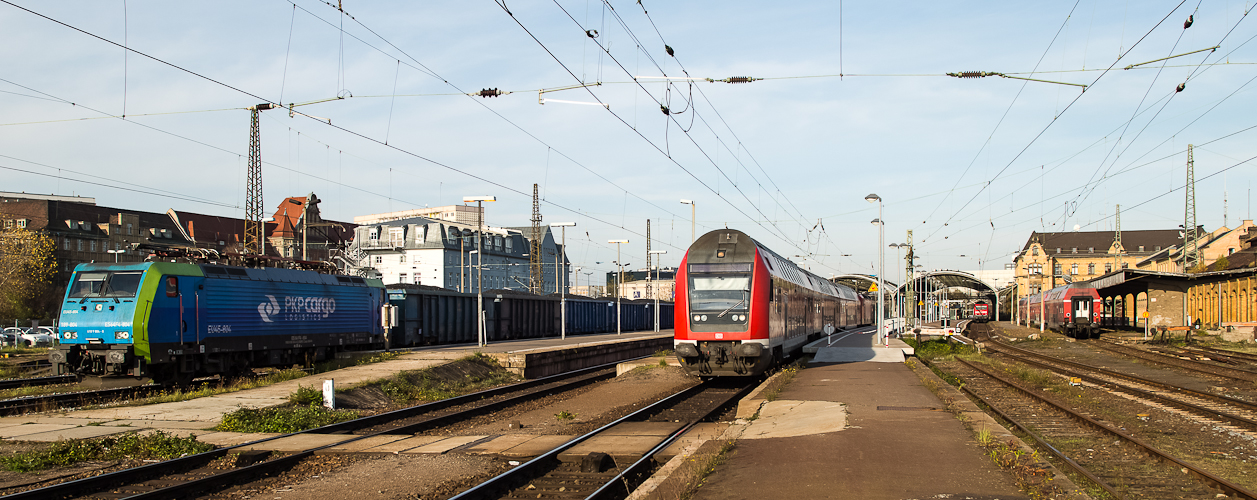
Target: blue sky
{"type": "Point", "coordinates": [972, 166]}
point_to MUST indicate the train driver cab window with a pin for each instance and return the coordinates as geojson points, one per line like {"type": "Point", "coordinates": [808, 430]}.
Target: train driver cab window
{"type": "Point", "coordinates": [172, 286]}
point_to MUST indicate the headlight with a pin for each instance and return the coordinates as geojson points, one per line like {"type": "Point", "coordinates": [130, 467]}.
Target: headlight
{"type": "Point", "coordinates": [121, 335]}
{"type": "Point", "coordinates": [704, 317]}
{"type": "Point", "coordinates": [70, 335]}
{"type": "Point", "coordinates": [698, 318]}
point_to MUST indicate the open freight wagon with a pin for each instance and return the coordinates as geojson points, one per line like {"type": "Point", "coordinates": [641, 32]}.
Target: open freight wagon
{"type": "Point", "coordinates": [431, 316]}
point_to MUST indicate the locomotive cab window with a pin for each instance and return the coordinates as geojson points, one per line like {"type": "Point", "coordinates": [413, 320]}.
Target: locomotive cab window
{"type": "Point", "coordinates": [172, 286]}
{"type": "Point", "coordinates": [105, 284]}
{"type": "Point", "coordinates": [720, 296]}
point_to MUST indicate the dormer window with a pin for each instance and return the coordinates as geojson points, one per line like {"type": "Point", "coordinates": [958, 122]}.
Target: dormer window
{"type": "Point", "coordinates": [1141, 248]}
{"type": "Point", "coordinates": [1034, 251]}
{"type": "Point", "coordinates": [1158, 248]}
{"type": "Point", "coordinates": [1058, 249]}
{"type": "Point", "coordinates": [1091, 249]}
{"type": "Point", "coordinates": [1075, 250]}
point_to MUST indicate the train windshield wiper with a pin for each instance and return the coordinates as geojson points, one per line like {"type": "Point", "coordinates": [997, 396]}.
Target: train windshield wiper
{"type": "Point", "coordinates": [738, 303]}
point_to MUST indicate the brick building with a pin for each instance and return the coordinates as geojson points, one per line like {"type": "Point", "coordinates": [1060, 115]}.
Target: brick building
{"type": "Point", "coordinates": [1049, 260]}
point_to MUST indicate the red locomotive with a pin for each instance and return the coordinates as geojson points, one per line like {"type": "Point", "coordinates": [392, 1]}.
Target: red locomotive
{"type": "Point", "coordinates": [981, 312]}
{"type": "Point", "coordinates": [741, 308]}
{"type": "Point", "coordinates": [1073, 309]}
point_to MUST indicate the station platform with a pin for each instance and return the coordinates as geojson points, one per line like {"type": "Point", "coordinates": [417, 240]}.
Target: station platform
{"type": "Point", "coordinates": [858, 429]}
{"type": "Point", "coordinates": [529, 358]}
{"type": "Point", "coordinates": [857, 345]}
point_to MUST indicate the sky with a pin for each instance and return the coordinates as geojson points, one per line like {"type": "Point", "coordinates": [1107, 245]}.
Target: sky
{"type": "Point", "coordinates": [853, 99]}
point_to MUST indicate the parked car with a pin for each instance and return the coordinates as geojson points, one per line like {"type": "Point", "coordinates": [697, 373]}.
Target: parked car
{"type": "Point", "coordinates": [9, 336]}
{"type": "Point", "coordinates": [37, 337]}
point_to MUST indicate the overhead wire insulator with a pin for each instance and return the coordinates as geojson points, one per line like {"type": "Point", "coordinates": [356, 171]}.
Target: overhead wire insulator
{"type": "Point", "coordinates": [973, 74]}
{"type": "Point", "coordinates": [736, 79]}
{"type": "Point", "coordinates": [664, 109]}
{"type": "Point", "coordinates": [668, 48]}
{"type": "Point", "coordinates": [494, 92]}
{"type": "Point", "coordinates": [1180, 87]}
{"type": "Point", "coordinates": [1188, 23]}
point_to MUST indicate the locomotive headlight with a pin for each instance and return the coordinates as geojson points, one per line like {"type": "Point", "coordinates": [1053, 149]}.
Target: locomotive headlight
{"type": "Point", "coordinates": [121, 335]}
{"type": "Point", "coordinates": [698, 318]}
{"type": "Point", "coordinates": [704, 317]}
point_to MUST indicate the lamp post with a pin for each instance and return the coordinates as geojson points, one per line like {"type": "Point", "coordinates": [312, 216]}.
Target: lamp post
{"type": "Point", "coordinates": [691, 204]}
{"type": "Point", "coordinates": [656, 288]}
{"type": "Point", "coordinates": [618, 277]}
{"type": "Point", "coordinates": [481, 335]}
{"type": "Point", "coordinates": [115, 254]}
{"type": "Point", "coordinates": [563, 287]}
{"type": "Point", "coordinates": [881, 294]}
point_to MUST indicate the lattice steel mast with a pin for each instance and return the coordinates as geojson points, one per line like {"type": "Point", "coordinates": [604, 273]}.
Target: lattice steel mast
{"type": "Point", "coordinates": [254, 240]}
{"type": "Point", "coordinates": [648, 256]}
{"type": "Point", "coordinates": [534, 254]}
{"type": "Point", "coordinates": [1117, 241]}
{"type": "Point", "coordinates": [1191, 242]}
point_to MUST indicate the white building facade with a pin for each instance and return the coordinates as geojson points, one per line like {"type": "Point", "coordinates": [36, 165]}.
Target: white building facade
{"type": "Point", "coordinates": [437, 253]}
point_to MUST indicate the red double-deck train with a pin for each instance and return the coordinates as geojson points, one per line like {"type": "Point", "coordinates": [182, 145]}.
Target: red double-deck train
{"type": "Point", "coordinates": [742, 308]}
{"type": "Point", "coordinates": [1074, 310]}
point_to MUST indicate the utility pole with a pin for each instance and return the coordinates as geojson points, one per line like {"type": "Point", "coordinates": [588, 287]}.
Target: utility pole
{"type": "Point", "coordinates": [254, 240]}
{"type": "Point", "coordinates": [911, 311]}
{"type": "Point", "coordinates": [534, 254]}
{"type": "Point", "coordinates": [1117, 241]}
{"type": "Point", "coordinates": [1191, 250]}
{"type": "Point", "coordinates": [648, 255]}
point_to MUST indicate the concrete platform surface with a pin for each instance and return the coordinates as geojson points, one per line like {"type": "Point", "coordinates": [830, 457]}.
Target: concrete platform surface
{"type": "Point", "coordinates": [406, 443]}
{"type": "Point", "coordinates": [779, 419]}
{"type": "Point", "coordinates": [536, 446]}
{"type": "Point", "coordinates": [86, 432]}
{"type": "Point", "coordinates": [445, 445]}
{"type": "Point", "coordinates": [880, 454]}
{"type": "Point", "coordinates": [700, 432]}
{"type": "Point", "coordinates": [363, 444]}
{"type": "Point", "coordinates": [299, 442]}
{"type": "Point", "coordinates": [623, 449]}
{"type": "Point", "coordinates": [856, 346]}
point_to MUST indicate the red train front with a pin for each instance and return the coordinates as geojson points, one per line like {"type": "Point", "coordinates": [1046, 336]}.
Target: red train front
{"type": "Point", "coordinates": [741, 308]}
{"type": "Point", "coordinates": [981, 312]}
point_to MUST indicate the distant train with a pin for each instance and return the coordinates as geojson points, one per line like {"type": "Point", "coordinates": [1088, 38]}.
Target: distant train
{"type": "Point", "coordinates": [1073, 309]}
{"type": "Point", "coordinates": [173, 322]}
{"type": "Point", "coordinates": [742, 308]}
{"type": "Point", "coordinates": [981, 312]}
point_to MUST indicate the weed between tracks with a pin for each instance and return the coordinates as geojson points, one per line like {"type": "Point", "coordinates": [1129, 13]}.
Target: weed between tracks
{"type": "Point", "coordinates": [694, 473]}
{"type": "Point", "coordinates": [282, 419]}
{"type": "Point", "coordinates": [466, 375]}
{"type": "Point", "coordinates": [130, 446]}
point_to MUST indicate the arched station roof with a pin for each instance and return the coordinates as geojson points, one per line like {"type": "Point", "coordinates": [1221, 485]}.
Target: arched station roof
{"type": "Point", "coordinates": [953, 279]}
{"type": "Point", "coordinates": [860, 282]}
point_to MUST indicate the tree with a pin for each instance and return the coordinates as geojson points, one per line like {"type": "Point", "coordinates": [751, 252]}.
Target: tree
{"type": "Point", "coordinates": [1221, 264]}
{"type": "Point", "coordinates": [27, 268]}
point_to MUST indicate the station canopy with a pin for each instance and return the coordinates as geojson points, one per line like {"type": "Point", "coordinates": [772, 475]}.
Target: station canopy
{"type": "Point", "coordinates": [933, 280]}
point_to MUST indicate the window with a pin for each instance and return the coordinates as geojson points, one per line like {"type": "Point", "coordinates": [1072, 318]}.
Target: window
{"type": "Point", "coordinates": [379, 259]}
{"type": "Point", "coordinates": [93, 245]}
{"type": "Point", "coordinates": [1158, 248]}
{"type": "Point", "coordinates": [1091, 268]}
{"type": "Point", "coordinates": [1141, 248]}
{"type": "Point", "coordinates": [79, 244]}
{"type": "Point", "coordinates": [1230, 251]}
{"type": "Point", "coordinates": [417, 279]}
{"type": "Point", "coordinates": [1034, 251]}
{"type": "Point", "coordinates": [508, 245]}
{"type": "Point", "coordinates": [172, 286]}
{"type": "Point", "coordinates": [402, 259]}
{"type": "Point", "coordinates": [1035, 269]}
{"type": "Point", "coordinates": [67, 243]}
{"type": "Point", "coordinates": [401, 278]}
{"type": "Point", "coordinates": [8, 223]}
{"type": "Point", "coordinates": [1075, 250]}
{"type": "Point", "coordinates": [1125, 265]}
{"type": "Point", "coordinates": [1091, 249]}
{"type": "Point", "coordinates": [375, 235]}
{"type": "Point", "coordinates": [1108, 268]}
{"type": "Point", "coordinates": [22, 223]}
{"type": "Point", "coordinates": [396, 236]}
{"type": "Point", "coordinates": [1058, 249]}
{"type": "Point", "coordinates": [128, 228]}
{"type": "Point", "coordinates": [1073, 269]}
{"type": "Point", "coordinates": [1056, 269]}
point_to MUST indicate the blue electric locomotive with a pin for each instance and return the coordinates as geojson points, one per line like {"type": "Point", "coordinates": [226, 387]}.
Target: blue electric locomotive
{"type": "Point", "coordinates": [172, 322]}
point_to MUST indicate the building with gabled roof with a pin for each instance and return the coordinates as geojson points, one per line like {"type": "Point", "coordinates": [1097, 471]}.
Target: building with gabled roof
{"type": "Point", "coordinates": [1049, 260]}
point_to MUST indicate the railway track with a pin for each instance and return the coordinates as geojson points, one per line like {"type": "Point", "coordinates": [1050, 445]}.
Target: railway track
{"type": "Point", "coordinates": [14, 383]}
{"type": "Point", "coordinates": [19, 406]}
{"type": "Point", "coordinates": [547, 476]}
{"type": "Point", "coordinates": [1186, 364]}
{"type": "Point", "coordinates": [206, 473]}
{"type": "Point", "coordinates": [1086, 444]}
{"type": "Point", "coordinates": [1214, 407]}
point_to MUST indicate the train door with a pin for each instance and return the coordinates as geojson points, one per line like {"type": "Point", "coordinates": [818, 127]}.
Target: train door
{"type": "Point", "coordinates": [1081, 310]}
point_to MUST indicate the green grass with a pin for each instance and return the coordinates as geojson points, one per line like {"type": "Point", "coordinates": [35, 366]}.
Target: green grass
{"type": "Point", "coordinates": [132, 446]}
{"type": "Point", "coordinates": [305, 396]}
{"type": "Point", "coordinates": [938, 349]}
{"type": "Point", "coordinates": [283, 419]}
{"type": "Point", "coordinates": [434, 384]}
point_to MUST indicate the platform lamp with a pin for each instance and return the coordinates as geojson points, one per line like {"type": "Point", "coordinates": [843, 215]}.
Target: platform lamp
{"type": "Point", "coordinates": [898, 256]}
{"type": "Point", "coordinates": [563, 286]}
{"type": "Point", "coordinates": [115, 254]}
{"type": "Point", "coordinates": [482, 337]}
{"type": "Point", "coordinates": [658, 268]}
{"type": "Point", "coordinates": [618, 278]}
{"type": "Point", "coordinates": [691, 204]}
{"type": "Point", "coordinates": [881, 294]}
